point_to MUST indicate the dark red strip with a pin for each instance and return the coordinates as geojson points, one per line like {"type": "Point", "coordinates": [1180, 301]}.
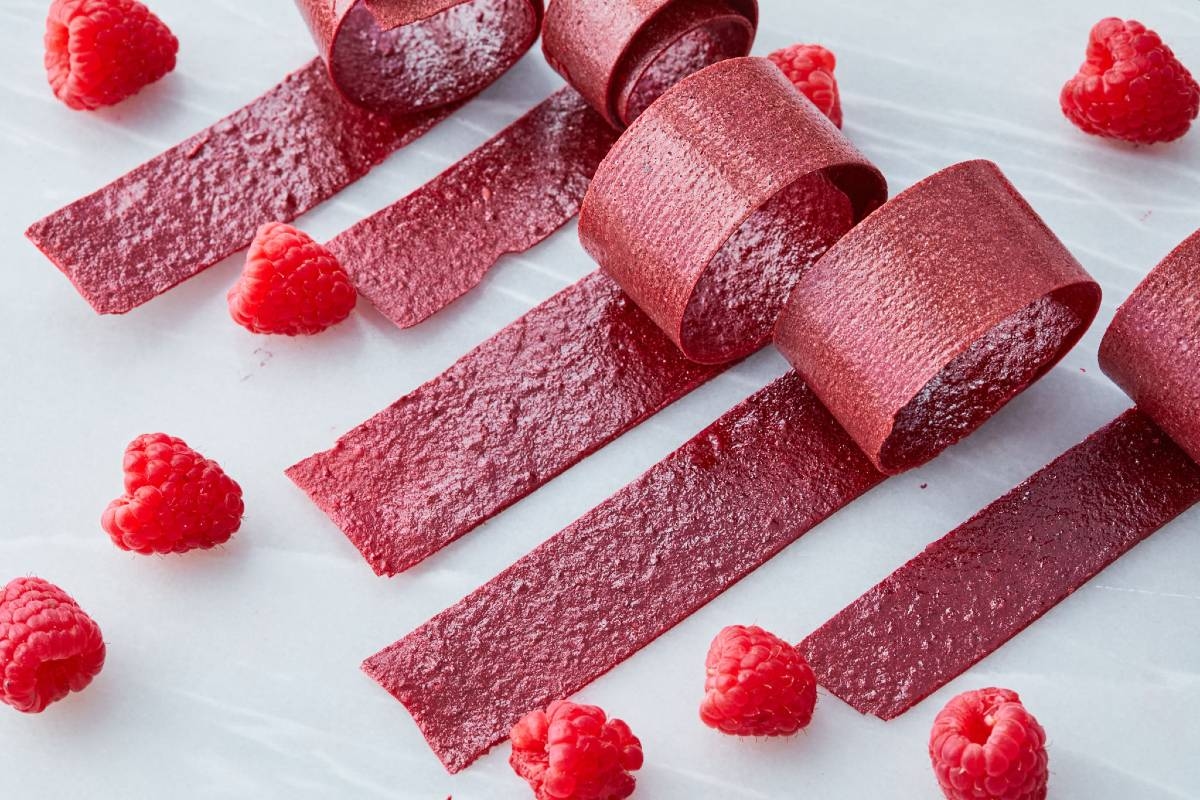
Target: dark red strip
{"type": "Point", "coordinates": [611, 583]}
{"type": "Point", "coordinates": [202, 200]}
{"type": "Point", "coordinates": [982, 584]}
{"type": "Point", "coordinates": [417, 256]}
{"type": "Point", "coordinates": [544, 393]}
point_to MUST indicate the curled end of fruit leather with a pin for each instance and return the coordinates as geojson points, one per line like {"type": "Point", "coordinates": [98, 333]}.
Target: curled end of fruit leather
{"type": "Point", "coordinates": [621, 55]}
{"type": "Point", "coordinates": [398, 57]}
{"type": "Point", "coordinates": [1152, 348]}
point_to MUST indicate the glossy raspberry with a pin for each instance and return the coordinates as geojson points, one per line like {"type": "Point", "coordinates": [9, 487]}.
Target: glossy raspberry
{"type": "Point", "coordinates": [98, 52]}
{"type": "Point", "coordinates": [757, 685]}
{"type": "Point", "coordinates": [575, 752]}
{"type": "Point", "coordinates": [290, 285]}
{"type": "Point", "coordinates": [48, 646]}
{"type": "Point", "coordinates": [810, 67]}
{"type": "Point", "coordinates": [175, 499]}
{"type": "Point", "coordinates": [985, 744]}
{"type": "Point", "coordinates": [1131, 86]}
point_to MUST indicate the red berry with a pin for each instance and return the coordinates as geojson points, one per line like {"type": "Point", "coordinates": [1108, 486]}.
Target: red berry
{"type": "Point", "coordinates": [757, 685]}
{"type": "Point", "coordinates": [1131, 86]}
{"type": "Point", "coordinates": [985, 744]}
{"type": "Point", "coordinates": [291, 285]}
{"type": "Point", "coordinates": [810, 67]}
{"type": "Point", "coordinates": [175, 499]}
{"type": "Point", "coordinates": [575, 752]}
{"type": "Point", "coordinates": [48, 646]}
{"type": "Point", "coordinates": [98, 52]}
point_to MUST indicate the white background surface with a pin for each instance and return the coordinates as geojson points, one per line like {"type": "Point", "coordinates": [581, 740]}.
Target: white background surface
{"type": "Point", "coordinates": [235, 673]}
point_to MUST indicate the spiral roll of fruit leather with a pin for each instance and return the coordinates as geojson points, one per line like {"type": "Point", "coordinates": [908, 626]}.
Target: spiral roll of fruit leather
{"type": "Point", "coordinates": [973, 590]}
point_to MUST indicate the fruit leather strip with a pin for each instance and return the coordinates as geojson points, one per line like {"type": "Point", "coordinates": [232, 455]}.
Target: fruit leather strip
{"type": "Point", "coordinates": [287, 151]}
{"type": "Point", "coordinates": [202, 200]}
{"type": "Point", "coordinates": [556, 385]}
{"type": "Point", "coordinates": [564, 380]}
{"type": "Point", "coordinates": [1152, 348]}
{"type": "Point", "coordinates": [418, 255]}
{"type": "Point", "coordinates": [643, 561]}
{"type": "Point", "coordinates": [689, 210]}
{"type": "Point", "coordinates": [874, 325]}
{"type": "Point", "coordinates": [622, 54]}
{"type": "Point", "coordinates": [982, 584]}
{"type": "Point", "coordinates": [399, 57]}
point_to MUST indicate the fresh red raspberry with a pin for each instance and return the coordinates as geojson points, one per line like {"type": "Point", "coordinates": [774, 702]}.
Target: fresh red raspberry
{"type": "Point", "coordinates": [575, 752]}
{"type": "Point", "coordinates": [290, 285]}
{"type": "Point", "coordinates": [985, 744]}
{"type": "Point", "coordinates": [175, 499]}
{"type": "Point", "coordinates": [48, 646]}
{"type": "Point", "coordinates": [98, 52]}
{"type": "Point", "coordinates": [810, 67]}
{"type": "Point", "coordinates": [1131, 86]}
{"type": "Point", "coordinates": [757, 684]}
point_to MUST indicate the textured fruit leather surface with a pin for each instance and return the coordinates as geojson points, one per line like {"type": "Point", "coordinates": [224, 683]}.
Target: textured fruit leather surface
{"type": "Point", "coordinates": [646, 559]}
{"type": "Point", "coordinates": [976, 588]}
{"type": "Point", "coordinates": [556, 385]}
{"type": "Point", "coordinates": [186, 209]}
{"type": "Point", "coordinates": [417, 256]}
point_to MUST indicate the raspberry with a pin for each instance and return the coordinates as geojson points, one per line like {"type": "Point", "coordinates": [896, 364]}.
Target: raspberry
{"type": "Point", "coordinates": [291, 285]}
{"type": "Point", "coordinates": [1131, 86]}
{"type": "Point", "coordinates": [48, 646]}
{"type": "Point", "coordinates": [810, 67]}
{"type": "Point", "coordinates": [175, 499]}
{"type": "Point", "coordinates": [757, 685]}
{"type": "Point", "coordinates": [98, 52]}
{"type": "Point", "coordinates": [985, 744]}
{"type": "Point", "coordinates": [575, 752]}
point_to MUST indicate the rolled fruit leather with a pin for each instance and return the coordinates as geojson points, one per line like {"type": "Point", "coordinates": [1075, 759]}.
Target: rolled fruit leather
{"type": "Point", "coordinates": [387, 73]}
{"type": "Point", "coordinates": [983, 583]}
{"type": "Point", "coordinates": [913, 328]}
{"type": "Point", "coordinates": [415, 257]}
{"type": "Point", "coordinates": [489, 431]}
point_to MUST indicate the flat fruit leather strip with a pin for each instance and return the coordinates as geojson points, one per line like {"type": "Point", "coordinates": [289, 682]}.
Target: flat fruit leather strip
{"type": "Point", "coordinates": [982, 584]}
{"type": "Point", "coordinates": [202, 200]}
{"type": "Point", "coordinates": [625, 573]}
{"type": "Point", "coordinates": [274, 159]}
{"type": "Point", "coordinates": [418, 255]}
{"type": "Point", "coordinates": [777, 465]}
{"type": "Point", "coordinates": [559, 383]}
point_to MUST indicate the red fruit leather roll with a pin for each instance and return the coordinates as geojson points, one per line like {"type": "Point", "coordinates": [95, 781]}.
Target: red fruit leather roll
{"type": "Point", "coordinates": [418, 255]}
{"type": "Point", "coordinates": [772, 468]}
{"type": "Point", "coordinates": [287, 151]}
{"type": "Point", "coordinates": [983, 583]}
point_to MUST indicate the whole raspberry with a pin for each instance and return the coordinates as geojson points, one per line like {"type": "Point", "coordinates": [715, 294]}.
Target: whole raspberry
{"type": "Point", "coordinates": [757, 685]}
{"type": "Point", "coordinates": [1131, 86]}
{"type": "Point", "coordinates": [175, 499]}
{"type": "Point", "coordinates": [48, 646]}
{"type": "Point", "coordinates": [574, 752]}
{"type": "Point", "coordinates": [985, 744]}
{"type": "Point", "coordinates": [98, 52]}
{"type": "Point", "coordinates": [290, 285]}
{"type": "Point", "coordinates": [810, 67]}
